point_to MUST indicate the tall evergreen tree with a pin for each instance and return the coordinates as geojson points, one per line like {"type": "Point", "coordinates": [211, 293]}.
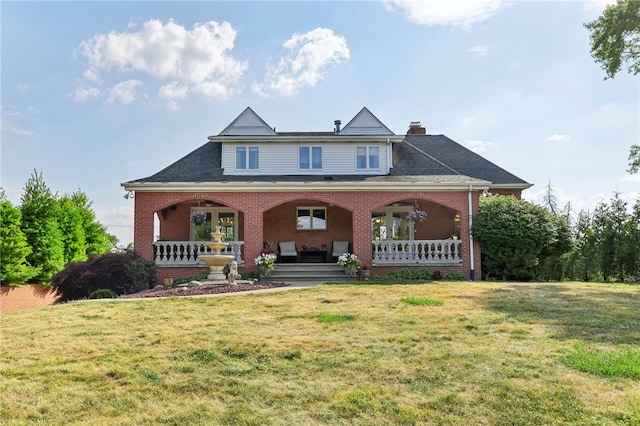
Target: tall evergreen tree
{"type": "Point", "coordinates": [97, 240]}
{"type": "Point", "coordinates": [73, 236]}
{"type": "Point", "coordinates": [584, 257]}
{"type": "Point", "coordinates": [41, 228]}
{"type": "Point", "coordinates": [13, 246]}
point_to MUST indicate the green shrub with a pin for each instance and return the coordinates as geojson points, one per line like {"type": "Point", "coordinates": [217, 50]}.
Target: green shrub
{"type": "Point", "coordinates": [199, 277]}
{"type": "Point", "coordinates": [103, 293]}
{"type": "Point", "coordinates": [142, 275]}
{"type": "Point", "coordinates": [122, 273]}
{"type": "Point", "coordinates": [407, 274]}
{"type": "Point", "coordinates": [251, 275]}
{"type": "Point", "coordinates": [453, 276]}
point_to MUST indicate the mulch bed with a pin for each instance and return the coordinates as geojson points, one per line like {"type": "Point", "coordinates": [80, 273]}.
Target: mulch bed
{"type": "Point", "coordinates": [204, 289]}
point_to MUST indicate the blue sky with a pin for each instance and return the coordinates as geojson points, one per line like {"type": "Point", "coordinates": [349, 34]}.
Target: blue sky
{"type": "Point", "coordinates": [98, 93]}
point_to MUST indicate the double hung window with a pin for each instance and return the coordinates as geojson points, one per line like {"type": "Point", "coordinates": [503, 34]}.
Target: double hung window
{"type": "Point", "coordinates": [310, 157]}
{"type": "Point", "coordinates": [368, 157]}
{"type": "Point", "coordinates": [247, 158]}
{"type": "Point", "coordinates": [312, 218]}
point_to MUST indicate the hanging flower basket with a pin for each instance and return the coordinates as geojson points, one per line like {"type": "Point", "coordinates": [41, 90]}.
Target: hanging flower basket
{"type": "Point", "coordinates": [198, 217]}
{"type": "Point", "coordinates": [416, 216]}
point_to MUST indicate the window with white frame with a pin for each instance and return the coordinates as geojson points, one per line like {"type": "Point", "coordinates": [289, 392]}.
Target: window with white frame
{"type": "Point", "coordinates": [313, 218]}
{"type": "Point", "coordinates": [368, 157]}
{"type": "Point", "coordinates": [310, 157]}
{"type": "Point", "coordinates": [225, 217]}
{"type": "Point", "coordinates": [247, 157]}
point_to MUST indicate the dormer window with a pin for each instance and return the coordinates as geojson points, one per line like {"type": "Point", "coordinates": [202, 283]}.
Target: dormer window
{"type": "Point", "coordinates": [247, 157]}
{"type": "Point", "coordinates": [310, 157]}
{"type": "Point", "coordinates": [368, 157]}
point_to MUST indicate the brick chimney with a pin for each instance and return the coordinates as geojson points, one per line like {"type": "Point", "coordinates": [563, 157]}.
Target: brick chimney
{"type": "Point", "coordinates": [416, 129]}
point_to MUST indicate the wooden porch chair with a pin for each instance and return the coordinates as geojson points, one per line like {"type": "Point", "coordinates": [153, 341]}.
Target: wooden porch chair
{"type": "Point", "coordinates": [287, 249]}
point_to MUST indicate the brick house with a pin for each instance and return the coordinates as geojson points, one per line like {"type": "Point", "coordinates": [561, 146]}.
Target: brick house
{"type": "Point", "coordinates": [355, 184]}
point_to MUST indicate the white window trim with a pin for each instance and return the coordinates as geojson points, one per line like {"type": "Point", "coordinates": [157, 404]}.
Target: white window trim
{"type": "Point", "coordinates": [367, 156]}
{"type": "Point", "coordinates": [247, 156]}
{"type": "Point", "coordinates": [311, 209]}
{"type": "Point", "coordinates": [310, 147]}
{"type": "Point", "coordinates": [388, 213]}
{"type": "Point", "coordinates": [215, 212]}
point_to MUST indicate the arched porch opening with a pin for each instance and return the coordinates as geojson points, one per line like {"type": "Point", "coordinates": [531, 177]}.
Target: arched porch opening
{"type": "Point", "coordinates": [313, 225]}
{"type": "Point", "coordinates": [402, 235]}
{"type": "Point", "coordinates": [185, 227]}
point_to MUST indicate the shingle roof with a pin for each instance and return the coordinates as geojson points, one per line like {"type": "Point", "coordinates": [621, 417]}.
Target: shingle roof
{"type": "Point", "coordinates": [431, 157]}
{"type": "Point", "coordinates": [457, 158]}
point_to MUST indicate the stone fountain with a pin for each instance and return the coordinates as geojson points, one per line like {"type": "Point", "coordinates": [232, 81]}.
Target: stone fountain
{"type": "Point", "coordinates": [216, 261]}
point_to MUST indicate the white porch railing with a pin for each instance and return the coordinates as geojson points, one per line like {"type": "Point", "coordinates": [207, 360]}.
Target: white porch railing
{"type": "Point", "coordinates": [185, 253]}
{"type": "Point", "coordinates": [420, 252]}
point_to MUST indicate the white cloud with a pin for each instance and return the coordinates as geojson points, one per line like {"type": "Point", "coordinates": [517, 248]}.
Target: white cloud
{"type": "Point", "coordinates": [12, 119]}
{"type": "Point", "coordinates": [460, 13]}
{"type": "Point", "coordinates": [124, 92]}
{"type": "Point", "coordinates": [173, 92]}
{"type": "Point", "coordinates": [478, 146]}
{"type": "Point", "coordinates": [558, 138]}
{"type": "Point", "coordinates": [479, 50]}
{"type": "Point", "coordinates": [598, 5]}
{"type": "Point", "coordinates": [305, 62]}
{"type": "Point", "coordinates": [197, 58]}
{"type": "Point", "coordinates": [16, 130]}
{"type": "Point", "coordinates": [631, 178]}
{"type": "Point", "coordinates": [173, 106]}
{"type": "Point", "coordinates": [468, 121]}
{"type": "Point", "coordinates": [83, 95]}
{"type": "Point", "coordinates": [118, 220]}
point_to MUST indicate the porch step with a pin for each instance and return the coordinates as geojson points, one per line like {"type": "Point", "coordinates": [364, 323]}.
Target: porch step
{"type": "Point", "coordinates": [309, 272]}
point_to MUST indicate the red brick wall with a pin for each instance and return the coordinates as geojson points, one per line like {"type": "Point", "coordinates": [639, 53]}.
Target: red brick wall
{"type": "Point", "coordinates": [278, 211]}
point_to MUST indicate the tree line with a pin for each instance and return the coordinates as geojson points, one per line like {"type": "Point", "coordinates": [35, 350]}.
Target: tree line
{"type": "Point", "coordinates": [46, 232]}
{"type": "Point", "coordinates": [523, 241]}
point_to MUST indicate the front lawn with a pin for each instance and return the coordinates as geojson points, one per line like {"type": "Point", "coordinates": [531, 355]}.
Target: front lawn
{"type": "Point", "coordinates": [435, 353]}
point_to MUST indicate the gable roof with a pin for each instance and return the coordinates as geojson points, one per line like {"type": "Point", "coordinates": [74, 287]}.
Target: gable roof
{"type": "Point", "coordinates": [248, 123]}
{"type": "Point", "coordinates": [365, 123]}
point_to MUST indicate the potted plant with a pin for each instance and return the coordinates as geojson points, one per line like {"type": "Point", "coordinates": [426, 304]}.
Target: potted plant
{"type": "Point", "coordinates": [198, 217]}
{"type": "Point", "coordinates": [350, 262]}
{"type": "Point", "coordinates": [364, 272]}
{"type": "Point", "coordinates": [416, 216]}
{"type": "Point", "coordinates": [266, 263]}
{"type": "Point", "coordinates": [167, 281]}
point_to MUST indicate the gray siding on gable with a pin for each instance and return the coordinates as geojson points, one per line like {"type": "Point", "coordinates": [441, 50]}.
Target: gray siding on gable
{"type": "Point", "coordinates": [365, 123]}
{"type": "Point", "coordinates": [282, 159]}
{"type": "Point", "coordinates": [248, 123]}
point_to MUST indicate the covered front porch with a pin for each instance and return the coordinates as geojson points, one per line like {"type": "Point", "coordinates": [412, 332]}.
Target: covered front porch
{"type": "Point", "coordinates": [312, 227]}
{"type": "Point", "coordinates": [389, 253]}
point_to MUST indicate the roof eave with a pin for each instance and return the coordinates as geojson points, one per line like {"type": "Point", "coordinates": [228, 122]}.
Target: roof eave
{"type": "Point", "coordinates": [302, 186]}
{"type": "Point", "coordinates": [312, 138]}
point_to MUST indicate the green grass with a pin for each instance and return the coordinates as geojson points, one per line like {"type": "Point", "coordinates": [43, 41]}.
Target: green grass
{"type": "Point", "coordinates": [332, 318]}
{"type": "Point", "coordinates": [495, 354]}
{"type": "Point", "coordinates": [622, 362]}
{"type": "Point", "coordinates": [421, 301]}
